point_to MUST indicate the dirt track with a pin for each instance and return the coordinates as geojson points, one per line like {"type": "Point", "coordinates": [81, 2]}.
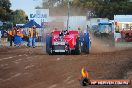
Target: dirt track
{"type": "Point", "coordinates": [33, 68]}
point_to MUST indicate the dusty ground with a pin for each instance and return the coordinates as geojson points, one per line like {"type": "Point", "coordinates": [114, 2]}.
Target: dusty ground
{"type": "Point", "coordinates": [33, 68]}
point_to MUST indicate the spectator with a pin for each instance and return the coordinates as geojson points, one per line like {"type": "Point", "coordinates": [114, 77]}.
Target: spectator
{"type": "Point", "coordinates": [0, 34]}
{"type": "Point", "coordinates": [12, 33]}
{"type": "Point", "coordinates": [0, 38]}
{"type": "Point", "coordinates": [79, 29]}
{"type": "Point", "coordinates": [33, 34]}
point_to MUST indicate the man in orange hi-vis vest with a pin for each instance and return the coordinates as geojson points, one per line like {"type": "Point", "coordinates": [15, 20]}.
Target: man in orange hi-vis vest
{"type": "Point", "coordinates": [19, 32]}
{"type": "Point", "coordinates": [33, 34]}
{"type": "Point", "coordinates": [11, 33]}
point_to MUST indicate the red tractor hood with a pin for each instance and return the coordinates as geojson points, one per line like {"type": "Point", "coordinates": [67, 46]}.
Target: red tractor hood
{"type": "Point", "coordinates": [69, 38]}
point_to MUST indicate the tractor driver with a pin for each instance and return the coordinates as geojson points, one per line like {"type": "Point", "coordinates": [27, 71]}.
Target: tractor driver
{"type": "Point", "coordinates": [66, 32]}
{"type": "Point", "coordinates": [61, 33]}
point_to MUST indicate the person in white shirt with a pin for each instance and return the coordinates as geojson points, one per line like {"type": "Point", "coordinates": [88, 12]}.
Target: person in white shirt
{"type": "Point", "coordinates": [0, 34]}
{"type": "Point", "coordinates": [0, 38]}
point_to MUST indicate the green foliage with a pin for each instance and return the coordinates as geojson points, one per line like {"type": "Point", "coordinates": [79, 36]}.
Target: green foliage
{"type": "Point", "coordinates": [18, 17]}
{"type": "Point", "coordinates": [5, 10]}
{"type": "Point", "coordinates": [6, 14]}
{"type": "Point", "coordinates": [100, 8]}
{"type": "Point", "coordinates": [6, 26]}
{"type": "Point", "coordinates": [105, 8]}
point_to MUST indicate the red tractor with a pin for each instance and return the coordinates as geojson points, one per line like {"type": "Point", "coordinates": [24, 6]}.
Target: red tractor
{"type": "Point", "coordinates": [69, 42]}
{"type": "Point", "coordinates": [127, 35]}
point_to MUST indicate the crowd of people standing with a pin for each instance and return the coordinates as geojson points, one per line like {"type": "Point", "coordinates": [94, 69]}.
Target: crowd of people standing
{"type": "Point", "coordinates": [17, 36]}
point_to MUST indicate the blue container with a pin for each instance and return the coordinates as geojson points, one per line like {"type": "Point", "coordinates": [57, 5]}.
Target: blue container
{"type": "Point", "coordinates": [17, 40]}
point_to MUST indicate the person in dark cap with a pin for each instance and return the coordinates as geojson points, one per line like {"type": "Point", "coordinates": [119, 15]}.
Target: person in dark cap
{"type": "Point", "coordinates": [33, 34]}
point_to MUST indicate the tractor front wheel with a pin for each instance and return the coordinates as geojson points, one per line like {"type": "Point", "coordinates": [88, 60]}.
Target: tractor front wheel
{"type": "Point", "coordinates": [48, 44]}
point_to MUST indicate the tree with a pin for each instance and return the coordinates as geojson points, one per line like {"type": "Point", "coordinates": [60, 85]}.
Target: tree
{"type": "Point", "coordinates": [5, 10]}
{"type": "Point", "coordinates": [105, 8]}
{"type": "Point", "coordinates": [19, 17]}
{"type": "Point", "coordinates": [51, 3]}
{"type": "Point", "coordinates": [99, 8]}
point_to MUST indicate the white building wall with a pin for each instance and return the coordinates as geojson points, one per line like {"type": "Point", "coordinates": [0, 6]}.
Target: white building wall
{"type": "Point", "coordinates": [74, 21]}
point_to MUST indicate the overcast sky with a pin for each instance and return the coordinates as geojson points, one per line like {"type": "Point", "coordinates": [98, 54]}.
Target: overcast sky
{"type": "Point", "coordinates": [26, 5]}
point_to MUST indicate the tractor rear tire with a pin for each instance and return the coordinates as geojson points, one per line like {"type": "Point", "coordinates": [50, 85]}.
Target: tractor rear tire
{"type": "Point", "coordinates": [78, 47]}
{"type": "Point", "coordinates": [49, 45]}
{"type": "Point", "coordinates": [87, 51]}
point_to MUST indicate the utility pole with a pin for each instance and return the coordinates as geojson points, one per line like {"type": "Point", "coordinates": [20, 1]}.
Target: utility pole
{"type": "Point", "coordinates": [68, 7]}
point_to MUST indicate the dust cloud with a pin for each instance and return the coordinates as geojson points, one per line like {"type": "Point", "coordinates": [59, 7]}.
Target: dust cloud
{"type": "Point", "coordinates": [59, 16]}
{"type": "Point", "coordinates": [103, 45]}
